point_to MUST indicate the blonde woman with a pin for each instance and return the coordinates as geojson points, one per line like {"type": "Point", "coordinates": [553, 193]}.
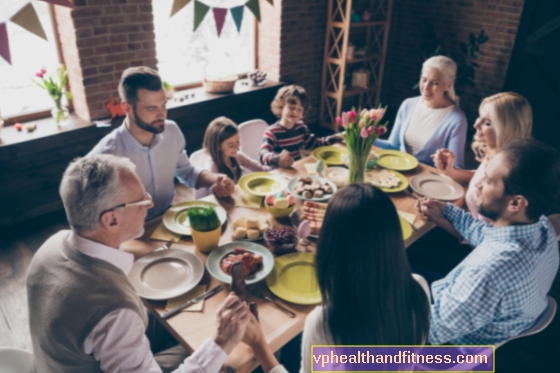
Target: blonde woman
{"type": "Point", "coordinates": [221, 142]}
{"type": "Point", "coordinates": [432, 120]}
{"type": "Point", "coordinates": [503, 118]}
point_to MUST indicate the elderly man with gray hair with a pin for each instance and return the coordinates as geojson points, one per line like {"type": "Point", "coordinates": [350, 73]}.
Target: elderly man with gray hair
{"type": "Point", "coordinates": [84, 314]}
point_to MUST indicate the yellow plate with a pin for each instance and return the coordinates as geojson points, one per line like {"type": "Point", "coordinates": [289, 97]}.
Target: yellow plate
{"type": "Point", "coordinates": [294, 279]}
{"type": "Point", "coordinates": [262, 183]}
{"type": "Point", "coordinates": [406, 228]}
{"type": "Point", "coordinates": [399, 188]}
{"type": "Point", "coordinates": [330, 155]}
{"type": "Point", "coordinates": [175, 218]}
{"type": "Point", "coordinates": [396, 160]}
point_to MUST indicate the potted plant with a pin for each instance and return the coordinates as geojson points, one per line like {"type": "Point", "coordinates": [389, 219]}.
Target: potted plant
{"type": "Point", "coordinates": [205, 227]}
{"type": "Point", "coordinates": [169, 90]}
{"type": "Point", "coordinates": [55, 84]}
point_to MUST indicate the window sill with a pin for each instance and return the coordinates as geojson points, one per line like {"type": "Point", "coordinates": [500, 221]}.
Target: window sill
{"type": "Point", "coordinates": [47, 128]}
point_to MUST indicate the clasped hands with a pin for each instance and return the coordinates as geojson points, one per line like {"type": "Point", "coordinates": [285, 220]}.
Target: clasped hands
{"type": "Point", "coordinates": [223, 187]}
{"type": "Point", "coordinates": [431, 209]}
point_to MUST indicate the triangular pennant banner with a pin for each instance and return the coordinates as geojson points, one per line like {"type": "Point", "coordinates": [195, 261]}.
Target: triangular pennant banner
{"type": "Point", "coordinates": [178, 5]}
{"type": "Point", "coordinates": [9, 8]}
{"type": "Point", "coordinates": [237, 15]}
{"type": "Point", "coordinates": [4, 44]}
{"type": "Point", "coordinates": [271, 2]}
{"type": "Point", "coordinates": [220, 18]}
{"type": "Point", "coordinates": [66, 3]}
{"type": "Point", "coordinates": [254, 7]}
{"type": "Point", "coordinates": [28, 19]}
{"type": "Point", "coordinates": [200, 11]}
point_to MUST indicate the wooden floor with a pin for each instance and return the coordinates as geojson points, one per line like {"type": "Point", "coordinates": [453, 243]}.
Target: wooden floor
{"type": "Point", "coordinates": [540, 353]}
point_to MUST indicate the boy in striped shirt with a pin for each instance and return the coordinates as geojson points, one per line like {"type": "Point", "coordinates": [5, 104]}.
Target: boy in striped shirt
{"type": "Point", "coordinates": [283, 140]}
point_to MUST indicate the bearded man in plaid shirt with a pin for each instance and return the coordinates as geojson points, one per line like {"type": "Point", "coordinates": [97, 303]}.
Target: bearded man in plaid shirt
{"type": "Point", "coordinates": [500, 289]}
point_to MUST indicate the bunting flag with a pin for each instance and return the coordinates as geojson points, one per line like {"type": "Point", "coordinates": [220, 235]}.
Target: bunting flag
{"type": "Point", "coordinates": [178, 5]}
{"type": "Point", "coordinates": [254, 7]}
{"type": "Point", "coordinates": [28, 19]}
{"type": "Point", "coordinates": [4, 44]}
{"type": "Point", "coordinates": [237, 15]}
{"type": "Point", "coordinates": [200, 11]}
{"type": "Point", "coordinates": [220, 18]}
{"type": "Point", "coordinates": [271, 2]}
{"type": "Point", "coordinates": [66, 3]}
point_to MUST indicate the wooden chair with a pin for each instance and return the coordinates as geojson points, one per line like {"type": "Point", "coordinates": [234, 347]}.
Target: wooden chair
{"type": "Point", "coordinates": [250, 135]}
{"type": "Point", "coordinates": [198, 158]}
{"type": "Point", "coordinates": [16, 360]}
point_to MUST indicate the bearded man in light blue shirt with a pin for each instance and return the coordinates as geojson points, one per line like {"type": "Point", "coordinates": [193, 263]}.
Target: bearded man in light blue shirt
{"type": "Point", "coordinates": [155, 145]}
{"type": "Point", "coordinates": [500, 289]}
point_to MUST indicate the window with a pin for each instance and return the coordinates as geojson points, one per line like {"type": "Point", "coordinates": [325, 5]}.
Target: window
{"type": "Point", "coordinates": [186, 56]}
{"type": "Point", "coordinates": [18, 94]}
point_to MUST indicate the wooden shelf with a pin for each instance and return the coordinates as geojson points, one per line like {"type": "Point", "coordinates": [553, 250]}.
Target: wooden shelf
{"type": "Point", "coordinates": [367, 24]}
{"type": "Point", "coordinates": [367, 57]}
{"type": "Point", "coordinates": [354, 91]}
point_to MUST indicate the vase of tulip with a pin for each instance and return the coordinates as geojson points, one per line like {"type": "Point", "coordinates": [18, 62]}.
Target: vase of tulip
{"type": "Point", "coordinates": [54, 84]}
{"type": "Point", "coordinates": [362, 127]}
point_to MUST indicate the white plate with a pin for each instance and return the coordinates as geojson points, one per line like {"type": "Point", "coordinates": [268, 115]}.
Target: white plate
{"type": "Point", "coordinates": [325, 196]}
{"type": "Point", "coordinates": [437, 187]}
{"type": "Point", "coordinates": [175, 218]}
{"type": "Point", "coordinates": [166, 274]}
{"type": "Point", "coordinates": [216, 256]}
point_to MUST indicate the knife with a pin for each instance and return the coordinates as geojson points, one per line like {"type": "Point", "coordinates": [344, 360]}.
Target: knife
{"type": "Point", "coordinates": [205, 295]}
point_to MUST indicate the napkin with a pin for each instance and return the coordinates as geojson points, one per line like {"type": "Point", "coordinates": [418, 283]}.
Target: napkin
{"type": "Point", "coordinates": [310, 168]}
{"type": "Point", "coordinates": [174, 302]}
{"type": "Point", "coordinates": [163, 234]}
{"type": "Point", "coordinates": [407, 216]}
{"type": "Point", "coordinates": [247, 200]}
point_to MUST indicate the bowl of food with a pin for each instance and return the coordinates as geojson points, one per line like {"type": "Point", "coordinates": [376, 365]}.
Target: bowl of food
{"type": "Point", "coordinates": [338, 175]}
{"type": "Point", "coordinates": [280, 205]}
{"type": "Point", "coordinates": [250, 228]}
{"type": "Point", "coordinates": [281, 239]}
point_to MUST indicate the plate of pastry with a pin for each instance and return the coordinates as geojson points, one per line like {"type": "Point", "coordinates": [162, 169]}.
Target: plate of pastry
{"type": "Point", "coordinates": [250, 228]}
{"type": "Point", "coordinates": [386, 180]}
{"type": "Point", "coordinates": [312, 188]}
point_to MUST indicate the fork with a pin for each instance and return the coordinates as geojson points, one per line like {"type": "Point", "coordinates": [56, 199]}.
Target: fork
{"type": "Point", "coordinates": [259, 294]}
{"type": "Point", "coordinates": [165, 246]}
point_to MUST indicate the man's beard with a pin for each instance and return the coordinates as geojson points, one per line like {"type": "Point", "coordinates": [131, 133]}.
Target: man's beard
{"type": "Point", "coordinates": [147, 126]}
{"type": "Point", "coordinates": [493, 210]}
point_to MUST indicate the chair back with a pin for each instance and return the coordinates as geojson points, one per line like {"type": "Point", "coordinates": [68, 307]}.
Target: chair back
{"type": "Point", "coordinates": [542, 322]}
{"type": "Point", "coordinates": [555, 221]}
{"type": "Point", "coordinates": [16, 360]}
{"type": "Point", "coordinates": [250, 135]}
{"type": "Point", "coordinates": [198, 158]}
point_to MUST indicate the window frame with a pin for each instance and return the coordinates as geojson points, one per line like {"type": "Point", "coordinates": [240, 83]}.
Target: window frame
{"type": "Point", "coordinates": [35, 115]}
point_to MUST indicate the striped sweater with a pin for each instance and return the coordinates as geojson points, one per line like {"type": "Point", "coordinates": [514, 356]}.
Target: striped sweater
{"type": "Point", "coordinates": [277, 138]}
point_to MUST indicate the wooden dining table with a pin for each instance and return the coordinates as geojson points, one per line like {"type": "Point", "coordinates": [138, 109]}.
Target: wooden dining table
{"type": "Point", "coordinates": [192, 329]}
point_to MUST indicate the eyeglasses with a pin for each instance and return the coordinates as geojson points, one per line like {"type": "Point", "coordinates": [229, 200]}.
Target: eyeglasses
{"type": "Point", "coordinates": [147, 202]}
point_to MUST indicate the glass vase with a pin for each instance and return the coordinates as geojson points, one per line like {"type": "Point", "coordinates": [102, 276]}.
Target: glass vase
{"type": "Point", "coordinates": [357, 167]}
{"type": "Point", "coordinates": [60, 114]}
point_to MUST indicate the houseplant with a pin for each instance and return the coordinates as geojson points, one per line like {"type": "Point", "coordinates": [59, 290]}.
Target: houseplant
{"type": "Point", "coordinates": [362, 127]}
{"type": "Point", "coordinates": [55, 84]}
{"type": "Point", "coordinates": [205, 227]}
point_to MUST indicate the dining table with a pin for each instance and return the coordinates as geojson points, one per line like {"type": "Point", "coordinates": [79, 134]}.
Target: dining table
{"type": "Point", "coordinates": [192, 329]}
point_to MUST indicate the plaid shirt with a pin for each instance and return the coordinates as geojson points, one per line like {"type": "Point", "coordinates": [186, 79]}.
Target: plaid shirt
{"type": "Point", "coordinates": [277, 138]}
{"type": "Point", "coordinates": [500, 289]}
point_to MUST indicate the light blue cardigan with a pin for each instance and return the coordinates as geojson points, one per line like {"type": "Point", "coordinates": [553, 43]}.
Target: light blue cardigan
{"type": "Point", "coordinates": [451, 134]}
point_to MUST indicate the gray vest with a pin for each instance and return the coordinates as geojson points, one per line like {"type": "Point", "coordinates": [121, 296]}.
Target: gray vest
{"type": "Point", "coordinates": [68, 293]}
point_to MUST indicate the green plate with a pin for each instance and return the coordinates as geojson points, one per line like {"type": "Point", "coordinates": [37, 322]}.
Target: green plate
{"type": "Point", "coordinates": [330, 155]}
{"type": "Point", "coordinates": [261, 184]}
{"type": "Point", "coordinates": [402, 186]}
{"type": "Point", "coordinates": [406, 228]}
{"type": "Point", "coordinates": [396, 160]}
{"type": "Point", "coordinates": [175, 218]}
{"type": "Point", "coordinates": [294, 279]}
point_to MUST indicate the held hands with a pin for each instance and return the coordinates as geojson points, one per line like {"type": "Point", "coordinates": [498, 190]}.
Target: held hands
{"type": "Point", "coordinates": [444, 159]}
{"type": "Point", "coordinates": [223, 187]}
{"type": "Point", "coordinates": [431, 210]}
{"type": "Point", "coordinates": [253, 334]}
{"type": "Point", "coordinates": [285, 160]}
{"type": "Point", "coordinates": [233, 316]}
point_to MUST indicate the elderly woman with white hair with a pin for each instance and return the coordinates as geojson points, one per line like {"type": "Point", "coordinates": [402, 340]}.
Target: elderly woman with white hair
{"type": "Point", "coordinates": [432, 120]}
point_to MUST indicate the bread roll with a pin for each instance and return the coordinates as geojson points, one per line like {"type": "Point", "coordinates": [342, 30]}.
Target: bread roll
{"type": "Point", "coordinates": [253, 234]}
{"type": "Point", "coordinates": [263, 227]}
{"type": "Point", "coordinates": [240, 232]}
{"type": "Point", "coordinates": [241, 222]}
{"type": "Point", "coordinates": [263, 219]}
{"type": "Point", "coordinates": [252, 222]}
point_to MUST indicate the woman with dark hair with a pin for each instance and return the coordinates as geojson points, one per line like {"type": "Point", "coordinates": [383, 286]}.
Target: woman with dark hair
{"type": "Point", "coordinates": [370, 296]}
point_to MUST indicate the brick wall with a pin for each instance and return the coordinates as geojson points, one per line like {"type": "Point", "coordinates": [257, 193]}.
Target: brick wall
{"type": "Point", "coordinates": [453, 20]}
{"type": "Point", "coordinates": [100, 39]}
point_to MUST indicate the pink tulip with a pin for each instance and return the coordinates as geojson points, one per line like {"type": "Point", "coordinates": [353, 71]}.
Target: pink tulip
{"type": "Point", "coordinates": [371, 129]}
{"type": "Point", "coordinates": [381, 130]}
{"type": "Point", "coordinates": [380, 113]}
{"type": "Point", "coordinates": [362, 123]}
{"type": "Point", "coordinates": [339, 121]}
{"type": "Point", "coordinates": [364, 111]}
{"type": "Point", "coordinates": [39, 75]}
{"type": "Point", "coordinates": [44, 71]}
{"type": "Point", "coordinates": [344, 120]}
{"type": "Point", "coordinates": [374, 118]}
{"type": "Point", "coordinates": [364, 133]}
{"type": "Point", "coordinates": [352, 116]}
